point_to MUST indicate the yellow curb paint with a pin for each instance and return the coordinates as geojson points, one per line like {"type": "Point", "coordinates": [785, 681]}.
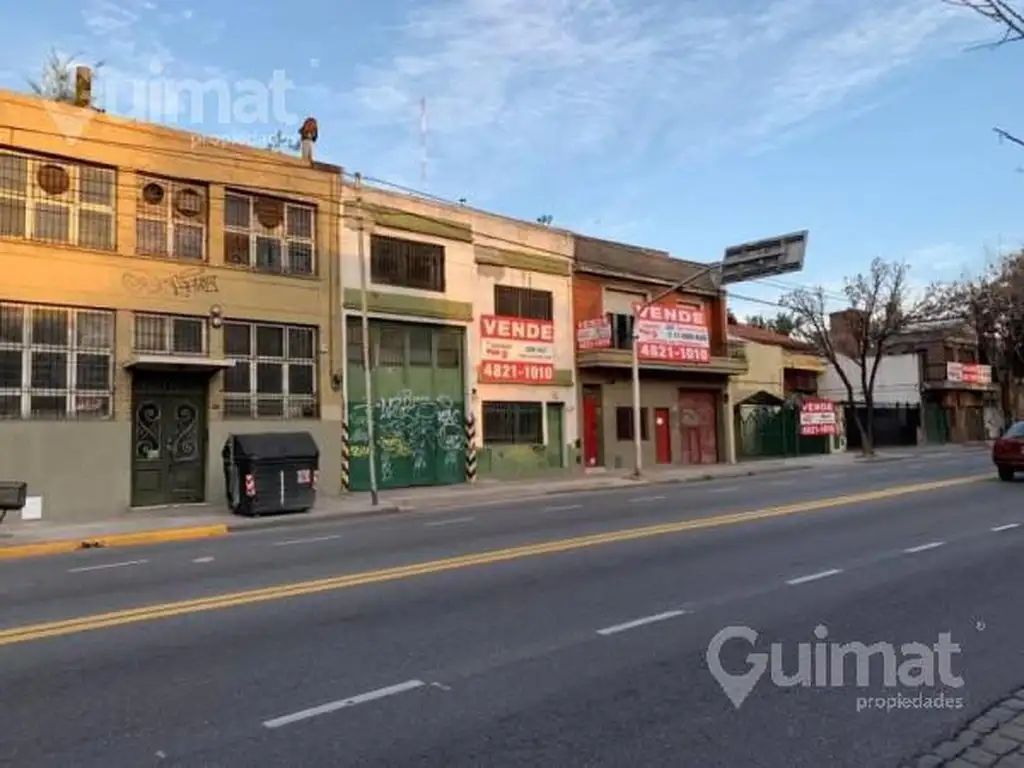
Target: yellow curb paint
{"type": "Point", "coordinates": [230, 600]}
{"type": "Point", "coordinates": [138, 538]}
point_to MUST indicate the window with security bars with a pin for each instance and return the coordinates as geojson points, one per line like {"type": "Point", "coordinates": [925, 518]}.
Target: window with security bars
{"type": "Point", "coordinates": [56, 201]}
{"type": "Point", "coordinates": [513, 423]}
{"type": "Point", "coordinates": [407, 263]}
{"type": "Point", "coordinates": [395, 345]}
{"type": "Point", "coordinates": [170, 334]}
{"type": "Point", "coordinates": [275, 371]}
{"type": "Point", "coordinates": [523, 302]}
{"type": "Point", "coordinates": [170, 219]}
{"type": "Point", "coordinates": [268, 234]}
{"type": "Point", "coordinates": [55, 362]}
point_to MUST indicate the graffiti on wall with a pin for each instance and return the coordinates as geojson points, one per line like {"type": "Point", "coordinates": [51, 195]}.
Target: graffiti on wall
{"type": "Point", "coordinates": [186, 283]}
{"type": "Point", "coordinates": [413, 433]}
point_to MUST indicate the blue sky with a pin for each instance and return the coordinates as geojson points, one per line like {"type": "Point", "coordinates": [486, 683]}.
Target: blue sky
{"type": "Point", "coordinates": [686, 125]}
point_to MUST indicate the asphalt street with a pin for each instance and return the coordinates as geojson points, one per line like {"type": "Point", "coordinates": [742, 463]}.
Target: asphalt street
{"type": "Point", "coordinates": [566, 631]}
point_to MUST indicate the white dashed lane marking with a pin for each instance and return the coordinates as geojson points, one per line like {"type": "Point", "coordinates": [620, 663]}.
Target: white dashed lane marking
{"type": "Point", "coordinates": [924, 547]}
{"type": "Point", "coordinates": [107, 566]}
{"type": "Point", "coordinates": [814, 576]}
{"type": "Point", "coordinates": [615, 629]}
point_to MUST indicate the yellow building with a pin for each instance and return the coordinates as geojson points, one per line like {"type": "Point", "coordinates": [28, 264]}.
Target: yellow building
{"type": "Point", "coordinates": [160, 292]}
{"type": "Point", "coordinates": [779, 369]}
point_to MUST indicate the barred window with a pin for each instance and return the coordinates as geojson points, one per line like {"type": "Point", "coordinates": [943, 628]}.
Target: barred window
{"type": "Point", "coordinates": [57, 201]}
{"type": "Point", "coordinates": [55, 362]}
{"type": "Point", "coordinates": [407, 263]}
{"type": "Point", "coordinates": [170, 219]}
{"type": "Point", "coordinates": [268, 234]}
{"type": "Point", "coordinates": [513, 423]}
{"type": "Point", "coordinates": [275, 371]}
{"type": "Point", "coordinates": [523, 302]}
{"type": "Point", "coordinates": [170, 335]}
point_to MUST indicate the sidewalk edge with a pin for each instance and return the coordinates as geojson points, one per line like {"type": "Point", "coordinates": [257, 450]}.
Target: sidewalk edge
{"type": "Point", "coordinates": [137, 538]}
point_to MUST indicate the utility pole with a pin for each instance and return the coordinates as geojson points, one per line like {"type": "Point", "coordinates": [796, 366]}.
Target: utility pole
{"type": "Point", "coordinates": [367, 378]}
{"type": "Point", "coordinates": [637, 442]}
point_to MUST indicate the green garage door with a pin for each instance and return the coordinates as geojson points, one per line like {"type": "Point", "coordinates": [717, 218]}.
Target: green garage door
{"type": "Point", "coordinates": [417, 402]}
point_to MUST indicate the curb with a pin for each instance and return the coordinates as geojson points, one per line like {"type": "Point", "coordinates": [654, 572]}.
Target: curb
{"type": "Point", "coordinates": [138, 538]}
{"type": "Point", "coordinates": [301, 519]}
{"type": "Point", "coordinates": [167, 535]}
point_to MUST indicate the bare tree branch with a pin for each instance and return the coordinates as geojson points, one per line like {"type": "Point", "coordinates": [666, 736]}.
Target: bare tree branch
{"type": "Point", "coordinates": [999, 12]}
{"type": "Point", "coordinates": [880, 309]}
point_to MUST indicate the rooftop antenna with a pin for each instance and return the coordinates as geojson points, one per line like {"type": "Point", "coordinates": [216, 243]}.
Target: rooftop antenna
{"type": "Point", "coordinates": [423, 140]}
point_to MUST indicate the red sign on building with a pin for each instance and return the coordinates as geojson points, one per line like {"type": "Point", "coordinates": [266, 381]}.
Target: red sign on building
{"type": "Point", "coordinates": [516, 350]}
{"type": "Point", "coordinates": [818, 417]}
{"type": "Point", "coordinates": [673, 333]}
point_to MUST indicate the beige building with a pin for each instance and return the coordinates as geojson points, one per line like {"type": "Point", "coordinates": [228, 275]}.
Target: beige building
{"type": "Point", "coordinates": [160, 293]}
{"type": "Point", "coordinates": [447, 288]}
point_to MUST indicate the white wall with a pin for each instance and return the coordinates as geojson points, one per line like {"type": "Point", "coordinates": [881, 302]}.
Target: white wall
{"type": "Point", "coordinates": [898, 380]}
{"type": "Point", "coordinates": [467, 281]}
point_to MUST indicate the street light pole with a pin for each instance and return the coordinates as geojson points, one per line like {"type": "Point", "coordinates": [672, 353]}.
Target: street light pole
{"type": "Point", "coordinates": [637, 442]}
{"type": "Point", "coordinates": [367, 377]}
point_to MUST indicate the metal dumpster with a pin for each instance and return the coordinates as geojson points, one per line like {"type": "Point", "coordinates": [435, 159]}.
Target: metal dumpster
{"type": "Point", "coordinates": [271, 472]}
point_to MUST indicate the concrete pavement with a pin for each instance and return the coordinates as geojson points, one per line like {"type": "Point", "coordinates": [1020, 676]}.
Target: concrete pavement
{"type": "Point", "coordinates": [19, 539]}
{"type": "Point", "coordinates": [592, 656]}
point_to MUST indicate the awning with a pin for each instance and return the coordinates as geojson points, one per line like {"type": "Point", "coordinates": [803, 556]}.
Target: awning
{"type": "Point", "coordinates": [178, 363]}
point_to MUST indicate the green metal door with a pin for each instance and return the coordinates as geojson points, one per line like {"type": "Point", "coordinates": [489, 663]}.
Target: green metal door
{"type": "Point", "coordinates": [556, 439]}
{"type": "Point", "coordinates": [417, 402]}
{"type": "Point", "coordinates": [168, 440]}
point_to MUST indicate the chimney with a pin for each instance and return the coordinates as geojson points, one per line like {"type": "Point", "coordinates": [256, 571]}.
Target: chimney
{"type": "Point", "coordinates": [308, 134]}
{"type": "Point", "coordinates": [83, 87]}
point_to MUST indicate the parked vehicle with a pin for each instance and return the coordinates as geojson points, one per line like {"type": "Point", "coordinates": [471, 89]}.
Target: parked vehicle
{"type": "Point", "coordinates": [1008, 452]}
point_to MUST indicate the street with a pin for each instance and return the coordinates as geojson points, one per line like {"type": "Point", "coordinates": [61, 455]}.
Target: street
{"type": "Point", "coordinates": [571, 630]}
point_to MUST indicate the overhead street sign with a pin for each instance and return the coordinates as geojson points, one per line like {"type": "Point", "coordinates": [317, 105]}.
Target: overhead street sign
{"type": "Point", "coordinates": [764, 258]}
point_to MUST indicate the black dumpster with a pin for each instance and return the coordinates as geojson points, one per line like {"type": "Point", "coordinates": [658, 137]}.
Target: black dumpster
{"type": "Point", "coordinates": [271, 472]}
{"type": "Point", "coordinates": [12, 496]}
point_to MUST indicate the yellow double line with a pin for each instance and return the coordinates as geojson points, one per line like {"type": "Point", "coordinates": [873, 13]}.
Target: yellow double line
{"type": "Point", "coordinates": [231, 600]}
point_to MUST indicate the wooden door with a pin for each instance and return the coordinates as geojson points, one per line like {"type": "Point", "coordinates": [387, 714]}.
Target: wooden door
{"type": "Point", "coordinates": [698, 422]}
{"type": "Point", "coordinates": [662, 436]}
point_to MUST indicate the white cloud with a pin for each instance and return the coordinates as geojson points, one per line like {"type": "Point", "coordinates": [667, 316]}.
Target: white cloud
{"type": "Point", "coordinates": [602, 79]}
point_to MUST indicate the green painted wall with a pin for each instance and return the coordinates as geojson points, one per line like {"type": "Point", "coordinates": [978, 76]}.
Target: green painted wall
{"type": "Point", "coordinates": [418, 404]}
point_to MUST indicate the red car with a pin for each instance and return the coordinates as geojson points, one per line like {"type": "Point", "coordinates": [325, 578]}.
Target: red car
{"type": "Point", "coordinates": [1008, 452]}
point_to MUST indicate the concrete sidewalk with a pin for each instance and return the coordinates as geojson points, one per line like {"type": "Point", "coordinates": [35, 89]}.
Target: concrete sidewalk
{"type": "Point", "coordinates": [26, 539]}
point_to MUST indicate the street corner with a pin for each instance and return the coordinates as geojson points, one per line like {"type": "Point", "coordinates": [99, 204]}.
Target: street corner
{"type": "Point", "coordinates": [58, 546]}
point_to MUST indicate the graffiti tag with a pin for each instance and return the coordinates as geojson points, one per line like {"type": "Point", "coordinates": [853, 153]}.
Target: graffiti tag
{"type": "Point", "coordinates": [186, 283]}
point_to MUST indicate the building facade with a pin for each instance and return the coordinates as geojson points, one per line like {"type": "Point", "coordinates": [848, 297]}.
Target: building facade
{"type": "Point", "coordinates": [161, 293]}
{"type": "Point", "coordinates": [685, 412]}
{"type": "Point", "coordinates": [470, 330]}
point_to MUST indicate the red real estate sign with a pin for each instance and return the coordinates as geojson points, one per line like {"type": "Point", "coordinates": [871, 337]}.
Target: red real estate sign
{"type": "Point", "coordinates": [818, 417]}
{"type": "Point", "coordinates": [674, 334]}
{"type": "Point", "coordinates": [515, 350]}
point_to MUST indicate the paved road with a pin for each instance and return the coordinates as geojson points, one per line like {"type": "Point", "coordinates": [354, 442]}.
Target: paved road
{"type": "Point", "coordinates": [589, 651]}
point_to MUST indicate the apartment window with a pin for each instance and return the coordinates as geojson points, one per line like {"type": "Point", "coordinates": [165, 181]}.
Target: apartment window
{"type": "Point", "coordinates": [622, 331]}
{"type": "Point", "coordinates": [170, 219]}
{"type": "Point", "coordinates": [269, 235]}
{"type": "Point", "coordinates": [624, 425]}
{"type": "Point", "coordinates": [275, 371]}
{"type": "Point", "coordinates": [513, 424]}
{"type": "Point", "coordinates": [55, 362]}
{"type": "Point", "coordinates": [407, 263]}
{"type": "Point", "coordinates": [523, 302]}
{"type": "Point", "coordinates": [170, 335]}
{"type": "Point", "coordinates": [56, 201]}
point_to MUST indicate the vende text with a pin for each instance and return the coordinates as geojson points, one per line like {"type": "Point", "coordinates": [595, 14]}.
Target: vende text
{"type": "Point", "coordinates": [678, 315]}
{"type": "Point", "coordinates": [514, 328]}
